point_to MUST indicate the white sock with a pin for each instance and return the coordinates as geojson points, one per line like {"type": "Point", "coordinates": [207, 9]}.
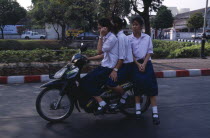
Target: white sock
{"type": "Point", "coordinates": [125, 96]}
{"type": "Point", "coordinates": [155, 110]}
{"type": "Point", "coordinates": [138, 107]}
{"type": "Point", "coordinates": [102, 103]}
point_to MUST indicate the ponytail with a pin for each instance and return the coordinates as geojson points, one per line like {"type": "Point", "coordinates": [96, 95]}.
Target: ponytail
{"type": "Point", "coordinates": [124, 23]}
{"type": "Point", "coordinates": [121, 23]}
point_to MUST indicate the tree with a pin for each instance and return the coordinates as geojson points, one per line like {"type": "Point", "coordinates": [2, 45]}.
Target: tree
{"type": "Point", "coordinates": [52, 12]}
{"type": "Point", "coordinates": [83, 13]}
{"type": "Point", "coordinates": [34, 1]}
{"type": "Point", "coordinates": [147, 6]}
{"type": "Point", "coordinates": [195, 21]}
{"type": "Point", "coordinates": [75, 13]}
{"type": "Point", "coordinates": [110, 8]}
{"type": "Point", "coordinates": [163, 19]}
{"type": "Point", "coordinates": [10, 13]}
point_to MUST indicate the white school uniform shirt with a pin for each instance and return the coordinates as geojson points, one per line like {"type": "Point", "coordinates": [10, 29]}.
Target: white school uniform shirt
{"type": "Point", "coordinates": [110, 51]}
{"type": "Point", "coordinates": [141, 46]}
{"type": "Point", "coordinates": [125, 51]}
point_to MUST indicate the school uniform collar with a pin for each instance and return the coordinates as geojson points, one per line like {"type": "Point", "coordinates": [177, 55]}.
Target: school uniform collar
{"type": "Point", "coordinates": [107, 35]}
{"type": "Point", "coordinates": [120, 32]}
{"type": "Point", "coordinates": [142, 36]}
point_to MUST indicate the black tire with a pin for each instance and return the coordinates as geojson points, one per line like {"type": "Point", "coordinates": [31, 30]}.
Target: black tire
{"type": "Point", "coordinates": [42, 113]}
{"type": "Point", "coordinates": [26, 37]}
{"type": "Point", "coordinates": [145, 103]}
{"type": "Point", "coordinates": [42, 37]}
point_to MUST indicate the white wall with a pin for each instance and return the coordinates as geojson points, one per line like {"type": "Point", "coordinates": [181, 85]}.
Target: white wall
{"type": "Point", "coordinates": [50, 32]}
{"type": "Point", "coordinates": [184, 35]}
{"type": "Point", "coordinates": [11, 36]}
{"type": "Point", "coordinates": [183, 10]}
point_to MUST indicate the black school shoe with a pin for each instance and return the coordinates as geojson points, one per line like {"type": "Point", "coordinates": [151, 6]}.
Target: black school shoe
{"type": "Point", "coordinates": [102, 110]}
{"type": "Point", "coordinates": [156, 120]}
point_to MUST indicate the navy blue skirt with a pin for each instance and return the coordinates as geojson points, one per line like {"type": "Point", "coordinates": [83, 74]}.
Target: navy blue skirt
{"type": "Point", "coordinates": [93, 81]}
{"type": "Point", "coordinates": [123, 75]}
{"type": "Point", "coordinates": [145, 82]}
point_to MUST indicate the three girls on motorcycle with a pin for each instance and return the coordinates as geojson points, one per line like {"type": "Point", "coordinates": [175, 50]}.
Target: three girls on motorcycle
{"type": "Point", "coordinates": [123, 58]}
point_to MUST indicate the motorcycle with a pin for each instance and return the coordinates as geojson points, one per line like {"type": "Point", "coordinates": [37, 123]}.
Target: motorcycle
{"type": "Point", "coordinates": [58, 98]}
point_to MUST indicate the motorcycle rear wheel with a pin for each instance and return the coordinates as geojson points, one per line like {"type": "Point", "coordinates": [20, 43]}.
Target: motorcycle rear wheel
{"type": "Point", "coordinates": [129, 108]}
{"type": "Point", "coordinates": [47, 101]}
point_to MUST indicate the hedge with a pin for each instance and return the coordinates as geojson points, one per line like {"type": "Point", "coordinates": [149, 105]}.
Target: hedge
{"type": "Point", "coordinates": [174, 49]}
{"type": "Point", "coordinates": [39, 55]}
{"type": "Point", "coordinates": [54, 44]}
{"type": "Point", "coordinates": [187, 52]}
{"type": "Point", "coordinates": [29, 44]}
{"type": "Point", "coordinates": [162, 49]}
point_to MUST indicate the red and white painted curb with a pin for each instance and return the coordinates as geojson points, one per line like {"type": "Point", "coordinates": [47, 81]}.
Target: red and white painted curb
{"type": "Point", "coordinates": [183, 73]}
{"type": "Point", "coordinates": [161, 74]}
{"type": "Point", "coordinates": [23, 79]}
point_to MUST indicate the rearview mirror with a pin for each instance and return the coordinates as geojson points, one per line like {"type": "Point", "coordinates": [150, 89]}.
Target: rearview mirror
{"type": "Point", "coordinates": [83, 47]}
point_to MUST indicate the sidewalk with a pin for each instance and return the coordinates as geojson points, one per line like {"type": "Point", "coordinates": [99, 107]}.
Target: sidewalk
{"type": "Point", "coordinates": [181, 64]}
{"type": "Point", "coordinates": [164, 68]}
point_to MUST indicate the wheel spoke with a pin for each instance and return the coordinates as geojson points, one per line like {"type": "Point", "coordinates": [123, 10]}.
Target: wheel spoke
{"type": "Point", "coordinates": [53, 106]}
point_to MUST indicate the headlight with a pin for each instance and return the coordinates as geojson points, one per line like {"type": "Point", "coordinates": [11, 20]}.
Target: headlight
{"type": "Point", "coordinates": [59, 73]}
{"type": "Point", "coordinates": [72, 73]}
{"type": "Point", "coordinates": [72, 58]}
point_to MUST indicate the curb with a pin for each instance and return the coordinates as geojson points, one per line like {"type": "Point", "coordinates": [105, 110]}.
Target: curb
{"type": "Point", "coordinates": [161, 74]}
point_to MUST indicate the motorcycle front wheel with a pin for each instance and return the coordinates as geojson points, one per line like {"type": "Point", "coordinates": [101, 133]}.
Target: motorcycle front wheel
{"type": "Point", "coordinates": [130, 110]}
{"type": "Point", "coordinates": [53, 107]}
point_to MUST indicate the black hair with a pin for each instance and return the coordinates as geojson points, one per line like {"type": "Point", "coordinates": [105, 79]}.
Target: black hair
{"type": "Point", "coordinates": [120, 22]}
{"type": "Point", "coordinates": [105, 23]}
{"type": "Point", "coordinates": [139, 19]}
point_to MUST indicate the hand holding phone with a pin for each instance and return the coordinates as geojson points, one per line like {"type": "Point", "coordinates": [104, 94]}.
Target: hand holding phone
{"type": "Point", "coordinates": [104, 31]}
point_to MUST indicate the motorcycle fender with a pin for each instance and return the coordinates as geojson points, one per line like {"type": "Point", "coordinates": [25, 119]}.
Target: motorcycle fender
{"type": "Point", "coordinates": [54, 83]}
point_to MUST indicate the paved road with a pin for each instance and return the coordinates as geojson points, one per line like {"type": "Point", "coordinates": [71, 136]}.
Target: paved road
{"type": "Point", "coordinates": [184, 108]}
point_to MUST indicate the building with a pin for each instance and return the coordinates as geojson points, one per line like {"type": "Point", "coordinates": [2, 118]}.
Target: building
{"type": "Point", "coordinates": [175, 10]}
{"type": "Point", "coordinates": [180, 21]}
{"type": "Point", "coordinates": [183, 10]}
{"type": "Point", "coordinates": [166, 32]}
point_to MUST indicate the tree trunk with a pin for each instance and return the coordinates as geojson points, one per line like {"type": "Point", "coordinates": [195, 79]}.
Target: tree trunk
{"type": "Point", "coordinates": [147, 23]}
{"type": "Point", "coordinates": [195, 35]}
{"type": "Point", "coordinates": [2, 33]}
{"type": "Point", "coordinates": [63, 26]}
{"type": "Point", "coordinates": [160, 35]}
{"type": "Point", "coordinates": [90, 27]}
{"type": "Point", "coordinates": [56, 30]}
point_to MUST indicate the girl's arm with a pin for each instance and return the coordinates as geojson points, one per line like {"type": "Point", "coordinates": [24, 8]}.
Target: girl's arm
{"type": "Point", "coordinates": [99, 46]}
{"type": "Point", "coordinates": [96, 57]}
{"type": "Point", "coordinates": [100, 41]}
{"type": "Point", "coordinates": [143, 65]}
{"type": "Point", "coordinates": [147, 58]}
